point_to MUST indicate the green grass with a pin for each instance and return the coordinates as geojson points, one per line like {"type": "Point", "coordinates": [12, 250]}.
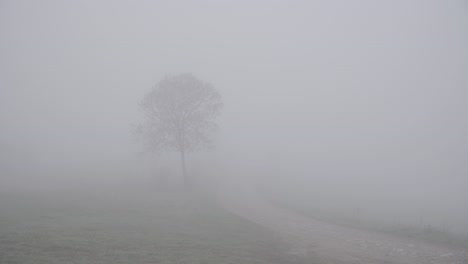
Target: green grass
{"type": "Point", "coordinates": [119, 227]}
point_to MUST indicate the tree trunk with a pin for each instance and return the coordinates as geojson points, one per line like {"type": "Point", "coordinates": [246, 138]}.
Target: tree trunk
{"type": "Point", "coordinates": [184, 169]}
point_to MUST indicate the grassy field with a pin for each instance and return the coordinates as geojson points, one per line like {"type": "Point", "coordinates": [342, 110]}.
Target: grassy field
{"type": "Point", "coordinates": [123, 227]}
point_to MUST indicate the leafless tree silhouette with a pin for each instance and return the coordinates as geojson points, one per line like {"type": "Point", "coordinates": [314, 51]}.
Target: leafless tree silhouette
{"type": "Point", "coordinates": [180, 112]}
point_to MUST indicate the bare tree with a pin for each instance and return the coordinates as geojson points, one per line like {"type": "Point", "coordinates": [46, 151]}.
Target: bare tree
{"type": "Point", "coordinates": [180, 112]}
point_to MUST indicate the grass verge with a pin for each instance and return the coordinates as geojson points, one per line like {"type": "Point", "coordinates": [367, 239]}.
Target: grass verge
{"type": "Point", "coordinates": [123, 227]}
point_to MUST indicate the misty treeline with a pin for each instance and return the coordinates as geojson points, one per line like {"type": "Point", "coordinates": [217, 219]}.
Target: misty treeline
{"type": "Point", "coordinates": [180, 113]}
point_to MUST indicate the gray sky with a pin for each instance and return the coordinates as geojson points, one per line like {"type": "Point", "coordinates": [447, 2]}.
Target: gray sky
{"type": "Point", "coordinates": [349, 97]}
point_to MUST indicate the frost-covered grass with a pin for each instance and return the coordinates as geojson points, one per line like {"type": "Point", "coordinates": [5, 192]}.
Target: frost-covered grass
{"type": "Point", "coordinates": [122, 227]}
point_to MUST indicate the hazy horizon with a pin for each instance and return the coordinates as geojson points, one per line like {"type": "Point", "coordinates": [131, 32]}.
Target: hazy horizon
{"type": "Point", "coordinates": [341, 104]}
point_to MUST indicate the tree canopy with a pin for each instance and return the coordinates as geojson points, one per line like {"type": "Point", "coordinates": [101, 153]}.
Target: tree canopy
{"type": "Point", "coordinates": [180, 113]}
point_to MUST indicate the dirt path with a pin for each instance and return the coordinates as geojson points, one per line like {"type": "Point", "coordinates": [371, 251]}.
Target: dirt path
{"type": "Point", "coordinates": [327, 243]}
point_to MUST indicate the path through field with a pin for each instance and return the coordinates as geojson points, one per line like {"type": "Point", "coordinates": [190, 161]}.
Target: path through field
{"type": "Point", "coordinates": [325, 243]}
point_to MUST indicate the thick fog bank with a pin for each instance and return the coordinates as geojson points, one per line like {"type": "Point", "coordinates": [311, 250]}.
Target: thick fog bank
{"type": "Point", "coordinates": [335, 104]}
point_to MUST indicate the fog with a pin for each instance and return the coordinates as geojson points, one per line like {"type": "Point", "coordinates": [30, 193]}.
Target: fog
{"type": "Point", "coordinates": [338, 105]}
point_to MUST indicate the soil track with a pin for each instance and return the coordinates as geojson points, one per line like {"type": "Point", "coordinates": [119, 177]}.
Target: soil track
{"type": "Point", "coordinates": [326, 243]}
